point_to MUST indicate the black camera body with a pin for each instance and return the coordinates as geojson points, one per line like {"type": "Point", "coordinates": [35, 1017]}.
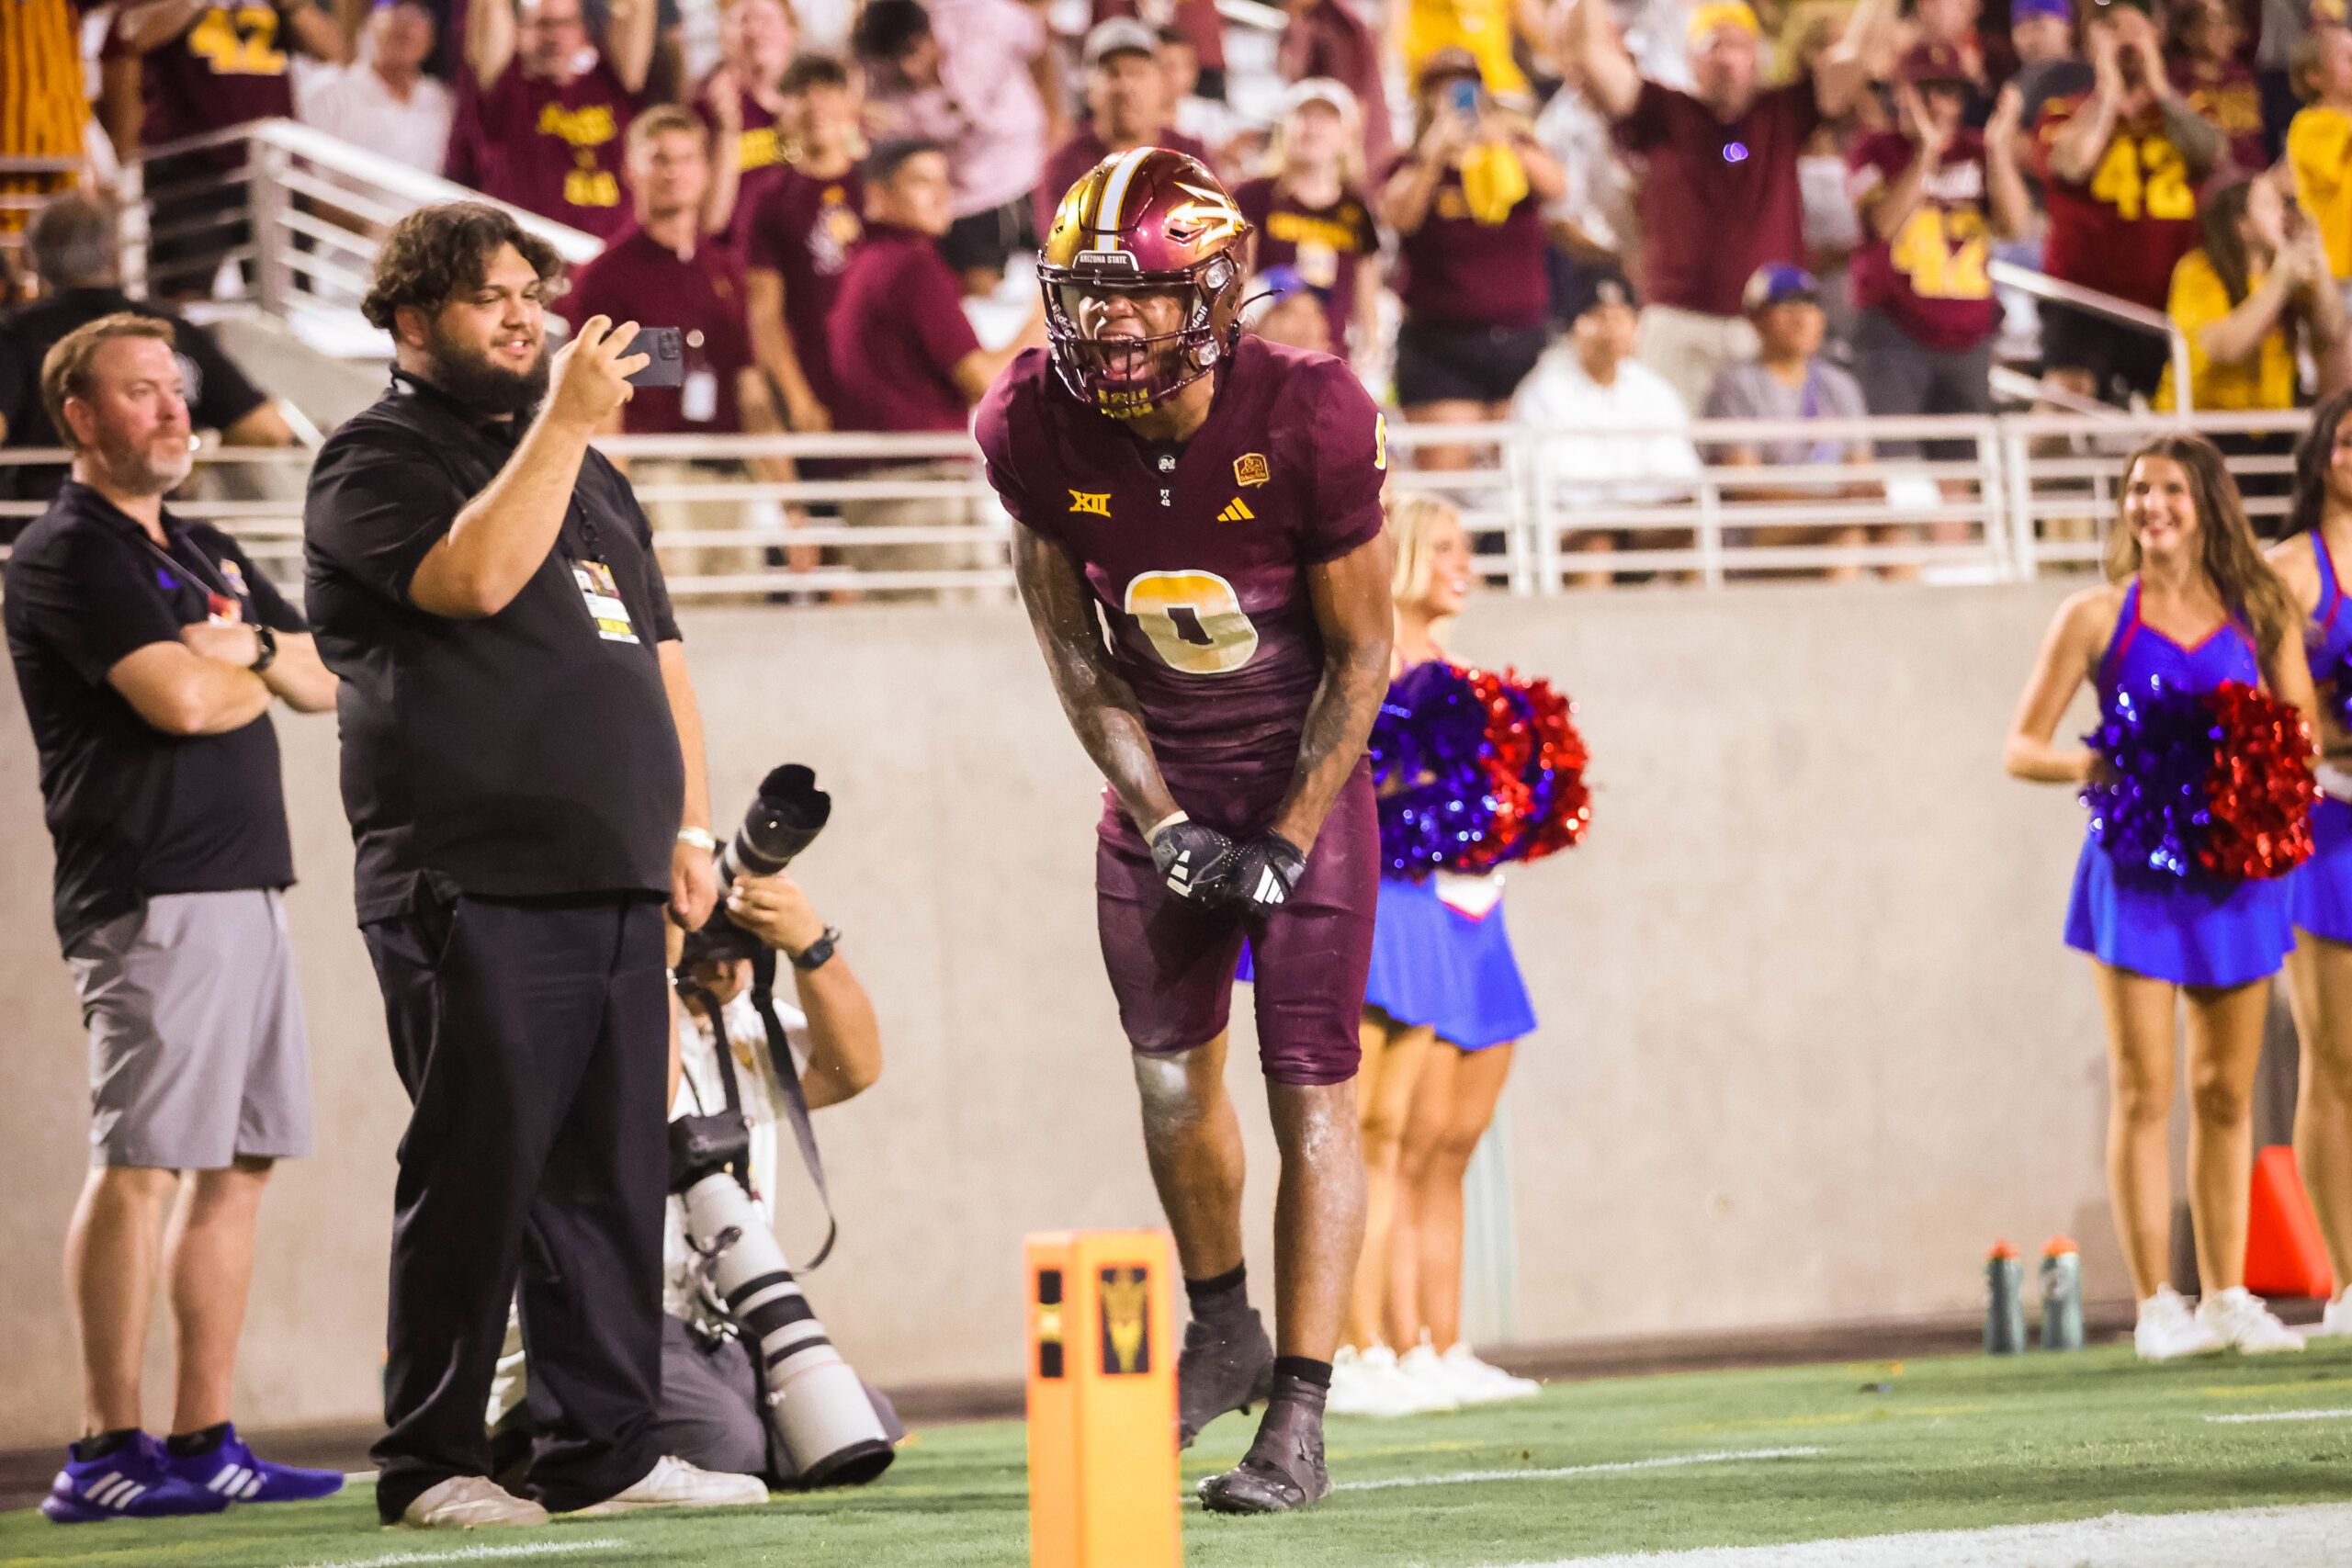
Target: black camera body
{"type": "Point", "coordinates": [717, 1144]}
{"type": "Point", "coordinates": [784, 818]}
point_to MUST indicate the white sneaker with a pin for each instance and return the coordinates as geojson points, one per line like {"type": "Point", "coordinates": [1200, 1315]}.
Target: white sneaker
{"type": "Point", "coordinates": [469, 1502]}
{"type": "Point", "coordinates": [2167, 1328]}
{"type": "Point", "coordinates": [2335, 1323]}
{"type": "Point", "coordinates": [1356, 1391]}
{"type": "Point", "coordinates": [2242, 1318]}
{"type": "Point", "coordinates": [674, 1484]}
{"type": "Point", "coordinates": [1478, 1383]}
{"type": "Point", "coordinates": [1414, 1396]}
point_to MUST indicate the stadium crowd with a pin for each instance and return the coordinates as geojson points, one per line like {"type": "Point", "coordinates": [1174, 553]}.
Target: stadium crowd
{"type": "Point", "coordinates": [1590, 215]}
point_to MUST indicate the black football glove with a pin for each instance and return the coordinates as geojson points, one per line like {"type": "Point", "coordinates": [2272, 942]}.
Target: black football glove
{"type": "Point", "coordinates": [1192, 857]}
{"type": "Point", "coordinates": [1260, 877]}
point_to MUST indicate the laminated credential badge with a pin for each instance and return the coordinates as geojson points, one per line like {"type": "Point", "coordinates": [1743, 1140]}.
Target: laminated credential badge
{"type": "Point", "coordinates": [604, 597]}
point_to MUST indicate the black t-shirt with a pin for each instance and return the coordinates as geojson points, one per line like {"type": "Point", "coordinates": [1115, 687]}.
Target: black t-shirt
{"type": "Point", "coordinates": [135, 812]}
{"type": "Point", "coordinates": [218, 393]}
{"type": "Point", "coordinates": [525, 754]}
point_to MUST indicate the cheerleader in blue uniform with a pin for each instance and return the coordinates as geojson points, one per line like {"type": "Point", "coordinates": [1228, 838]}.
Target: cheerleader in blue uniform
{"type": "Point", "coordinates": [2192, 600]}
{"type": "Point", "coordinates": [2319, 972]}
{"type": "Point", "coordinates": [1443, 1004]}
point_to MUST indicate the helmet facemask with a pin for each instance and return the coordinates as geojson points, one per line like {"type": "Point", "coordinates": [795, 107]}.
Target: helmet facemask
{"type": "Point", "coordinates": [1110, 366]}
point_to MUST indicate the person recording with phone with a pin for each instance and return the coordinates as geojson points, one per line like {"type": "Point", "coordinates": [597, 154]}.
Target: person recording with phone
{"type": "Point", "coordinates": [522, 770]}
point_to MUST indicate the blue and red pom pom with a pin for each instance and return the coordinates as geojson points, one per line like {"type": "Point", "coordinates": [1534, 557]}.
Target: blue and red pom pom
{"type": "Point", "coordinates": [2212, 786]}
{"type": "Point", "coordinates": [1475, 769]}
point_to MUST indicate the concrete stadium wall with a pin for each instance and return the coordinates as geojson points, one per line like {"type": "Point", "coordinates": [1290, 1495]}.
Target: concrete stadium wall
{"type": "Point", "coordinates": [1810, 1040]}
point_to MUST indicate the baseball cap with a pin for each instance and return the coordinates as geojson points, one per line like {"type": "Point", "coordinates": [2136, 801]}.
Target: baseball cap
{"type": "Point", "coordinates": [2020, 10]}
{"type": "Point", "coordinates": [1778, 284]}
{"type": "Point", "coordinates": [1119, 35]}
{"type": "Point", "coordinates": [1589, 287]}
{"type": "Point", "coordinates": [1318, 90]}
{"type": "Point", "coordinates": [1445, 63]}
{"type": "Point", "coordinates": [1708, 19]}
{"type": "Point", "coordinates": [1931, 61]}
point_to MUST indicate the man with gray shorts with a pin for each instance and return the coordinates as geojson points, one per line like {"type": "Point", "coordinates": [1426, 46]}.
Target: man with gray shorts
{"type": "Point", "coordinates": [148, 652]}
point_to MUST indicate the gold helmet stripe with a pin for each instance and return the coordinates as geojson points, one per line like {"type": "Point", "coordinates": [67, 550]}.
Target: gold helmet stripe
{"type": "Point", "coordinates": [1114, 197]}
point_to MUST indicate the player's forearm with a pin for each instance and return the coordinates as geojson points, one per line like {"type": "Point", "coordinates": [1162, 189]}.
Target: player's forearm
{"type": "Point", "coordinates": [1339, 722]}
{"type": "Point", "coordinates": [1108, 721]}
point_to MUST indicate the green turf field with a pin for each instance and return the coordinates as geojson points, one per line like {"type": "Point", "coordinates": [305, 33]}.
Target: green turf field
{"type": "Point", "coordinates": [1956, 1443]}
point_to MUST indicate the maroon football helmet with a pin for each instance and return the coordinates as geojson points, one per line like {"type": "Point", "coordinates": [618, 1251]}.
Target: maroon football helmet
{"type": "Point", "coordinates": [1143, 222]}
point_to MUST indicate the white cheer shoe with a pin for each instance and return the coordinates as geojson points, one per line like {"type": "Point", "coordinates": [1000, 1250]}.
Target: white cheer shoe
{"type": "Point", "coordinates": [2335, 1323]}
{"type": "Point", "coordinates": [2168, 1329]}
{"type": "Point", "coordinates": [674, 1484]}
{"type": "Point", "coordinates": [469, 1502]}
{"type": "Point", "coordinates": [1370, 1382]}
{"type": "Point", "coordinates": [1475, 1382]}
{"type": "Point", "coordinates": [2243, 1319]}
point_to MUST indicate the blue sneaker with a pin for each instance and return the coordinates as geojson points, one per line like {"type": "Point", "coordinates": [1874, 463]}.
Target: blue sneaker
{"type": "Point", "coordinates": [231, 1473]}
{"type": "Point", "coordinates": [132, 1482]}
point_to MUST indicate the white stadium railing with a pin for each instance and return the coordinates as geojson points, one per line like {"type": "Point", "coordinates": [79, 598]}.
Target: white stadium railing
{"type": "Point", "coordinates": [791, 517]}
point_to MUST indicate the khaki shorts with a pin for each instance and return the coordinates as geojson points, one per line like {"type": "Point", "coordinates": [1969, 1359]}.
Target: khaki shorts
{"type": "Point", "coordinates": [1688, 348]}
{"type": "Point", "coordinates": [197, 1051]}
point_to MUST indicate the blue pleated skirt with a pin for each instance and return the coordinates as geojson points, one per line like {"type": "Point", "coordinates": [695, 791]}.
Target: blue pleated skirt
{"type": "Point", "coordinates": [1435, 965]}
{"type": "Point", "coordinates": [2320, 890]}
{"type": "Point", "coordinates": [2223, 934]}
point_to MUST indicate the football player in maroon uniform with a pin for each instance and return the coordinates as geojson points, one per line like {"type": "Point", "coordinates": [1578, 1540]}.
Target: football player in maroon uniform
{"type": "Point", "coordinates": [1213, 502]}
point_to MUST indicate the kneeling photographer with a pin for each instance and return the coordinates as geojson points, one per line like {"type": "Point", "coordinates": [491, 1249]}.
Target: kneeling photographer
{"type": "Point", "coordinates": [747, 1375]}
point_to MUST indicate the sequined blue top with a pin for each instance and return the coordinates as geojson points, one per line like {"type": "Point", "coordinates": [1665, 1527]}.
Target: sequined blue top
{"type": "Point", "coordinates": [2138, 651]}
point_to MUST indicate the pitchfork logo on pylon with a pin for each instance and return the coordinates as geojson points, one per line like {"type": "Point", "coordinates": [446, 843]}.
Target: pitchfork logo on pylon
{"type": "Point", "coordinates": [1126, 1307]}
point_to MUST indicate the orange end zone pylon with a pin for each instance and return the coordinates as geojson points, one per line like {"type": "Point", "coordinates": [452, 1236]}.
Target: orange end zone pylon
{"type": "Point", "coordinates": [2284, 1254]}
{"type": "Point", "coordinates": [1103, 1476]}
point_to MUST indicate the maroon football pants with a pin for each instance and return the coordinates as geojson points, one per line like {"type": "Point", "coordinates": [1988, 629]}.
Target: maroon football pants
{"type": "Point", "coordinates": [1171, 962]}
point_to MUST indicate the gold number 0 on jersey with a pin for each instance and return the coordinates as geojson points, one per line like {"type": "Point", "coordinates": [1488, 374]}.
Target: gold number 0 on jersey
{"type": "Point", "coordinates": [1194, 621]}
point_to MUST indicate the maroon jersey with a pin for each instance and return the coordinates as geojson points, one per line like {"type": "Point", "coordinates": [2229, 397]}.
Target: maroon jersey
{"type": "Point", "coordinates": [1199, 556]}
{"type": "Point", "coordinates": [229, 67]}
{"type": "Point", "coordinates": [2226, 95]}
{"type": "Point", "coordinates": [553, 151]}
{"type": "Point", "coordinates": [803, 231]}
{"type": "Point", "coordinates": [1931, 277]}
{"type": "Point", "coordinates": [1720, 200]}
{"type": "Point", "coordinates": [1325, 243]}
{"type": "Point", "coordinates": [639, 280]}
{"type": "Point", "coordinates": [1460, 272]}
{"type": "Point", "coordinates": [898, 331]}
{"type": "Point", "coordinates": [2121, 230]}
{"type": "Point", "coordinates": [759, 166]}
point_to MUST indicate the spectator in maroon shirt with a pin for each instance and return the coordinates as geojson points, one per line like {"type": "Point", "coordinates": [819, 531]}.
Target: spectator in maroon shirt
{"type": "Point", "coordinates": [756, 40]}
{"type": "Point", "coordinates": [1326, 39]}
{"type": "Point", "coordinates": [801, 235]}
{"type": "Point", "coordinates": [1722, 198]}
{"type": "Point", "coordinates": [2203, 62]}
{"type": "Point", "coordinates": [1473, 284]}
{"type": "Point", "coordinates": [204, 67]}
{"type": "Point", "coordinates": [905, 357]}
{"type": "Point", "coordinates": [1127, 98]}
{"type": "Point", "coordinates": [665, 272]}
{"type": "Point", "coordinates": [541, 108]}
{"type": "Point", "coordinates": [1311, 212]}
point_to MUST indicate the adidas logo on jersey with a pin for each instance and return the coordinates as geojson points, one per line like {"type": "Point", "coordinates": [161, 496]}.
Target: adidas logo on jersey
{"type": "Point", "coordinates": [1234, 511]}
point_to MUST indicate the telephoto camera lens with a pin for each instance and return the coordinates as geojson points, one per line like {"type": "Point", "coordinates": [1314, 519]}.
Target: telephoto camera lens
{"type": "Point", "coordinates": [788, 815]}
{"type": "Point", "coordinates": [815, 1406]}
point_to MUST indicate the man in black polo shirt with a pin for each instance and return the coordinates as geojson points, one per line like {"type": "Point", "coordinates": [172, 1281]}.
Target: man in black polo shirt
{"type": "Point", "coordinates": [147, 651]}
{"type": "Point", "coordinates": [71, 244]}
{"type": "Point", "coordinates": [522, 764]}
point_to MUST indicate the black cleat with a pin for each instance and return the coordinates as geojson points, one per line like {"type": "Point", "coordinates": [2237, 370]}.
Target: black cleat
{"type": "Point", "coordinates": [1228, 1367]}
{"type": "Point", "coordinates": [1284, 1469]}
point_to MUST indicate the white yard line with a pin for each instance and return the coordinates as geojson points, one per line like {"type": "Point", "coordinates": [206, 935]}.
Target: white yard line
{"type": "Point", "coordinates": [1466, 1477]}
{"type": "Point", "coordinates": [2315, 1537]}
{"type": "Point", "coordinates": [2284, 1415]}
{"type": "Point", "coordinates": [476, 1553]}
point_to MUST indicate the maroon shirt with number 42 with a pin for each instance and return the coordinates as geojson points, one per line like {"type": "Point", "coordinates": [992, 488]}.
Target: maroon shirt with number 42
{"type": "Point", "coordinates": [1199, 555]}
{"type": "Point", "coordinates": [1932, 277]}
{"type": "Point", "coordinates": [228, 67]}
{"type": "Point", "coordinates": [552, 150]}
{"type": "Point", "coordinates": [641, 279]}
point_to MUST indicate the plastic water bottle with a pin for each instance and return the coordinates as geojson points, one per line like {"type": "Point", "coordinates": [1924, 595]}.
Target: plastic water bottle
{"type": "Point", "coordinates": [2062, 1295]}
{"type": "Point", "coordinates": [2004, 1301]}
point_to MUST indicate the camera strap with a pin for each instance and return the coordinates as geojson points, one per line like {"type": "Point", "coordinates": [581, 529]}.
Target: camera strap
{"type": "Point", "coordinates": [795, 1100]}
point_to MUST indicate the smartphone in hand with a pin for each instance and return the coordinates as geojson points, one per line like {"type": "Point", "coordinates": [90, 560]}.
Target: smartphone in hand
{"type": "Point", "coordinates": [666, 348]}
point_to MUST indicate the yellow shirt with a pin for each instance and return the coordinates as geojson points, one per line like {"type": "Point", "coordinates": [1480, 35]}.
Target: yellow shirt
{"type": "Point", "coordinates": [2197, 302]}
{"type": "Point", "coordinates": [1482, 26]}
{"type": "Point", "coordinates": [2319, 149]}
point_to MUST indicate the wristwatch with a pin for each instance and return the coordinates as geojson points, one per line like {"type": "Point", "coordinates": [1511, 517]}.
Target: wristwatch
{"type": "Point", "coordinates": [267, 637]}
{"type": "Point", "coordinates": [818, 954]}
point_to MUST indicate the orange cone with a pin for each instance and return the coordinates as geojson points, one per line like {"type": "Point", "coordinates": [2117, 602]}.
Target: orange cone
{"type": "Point", "coordinates": [2284, 1256]}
